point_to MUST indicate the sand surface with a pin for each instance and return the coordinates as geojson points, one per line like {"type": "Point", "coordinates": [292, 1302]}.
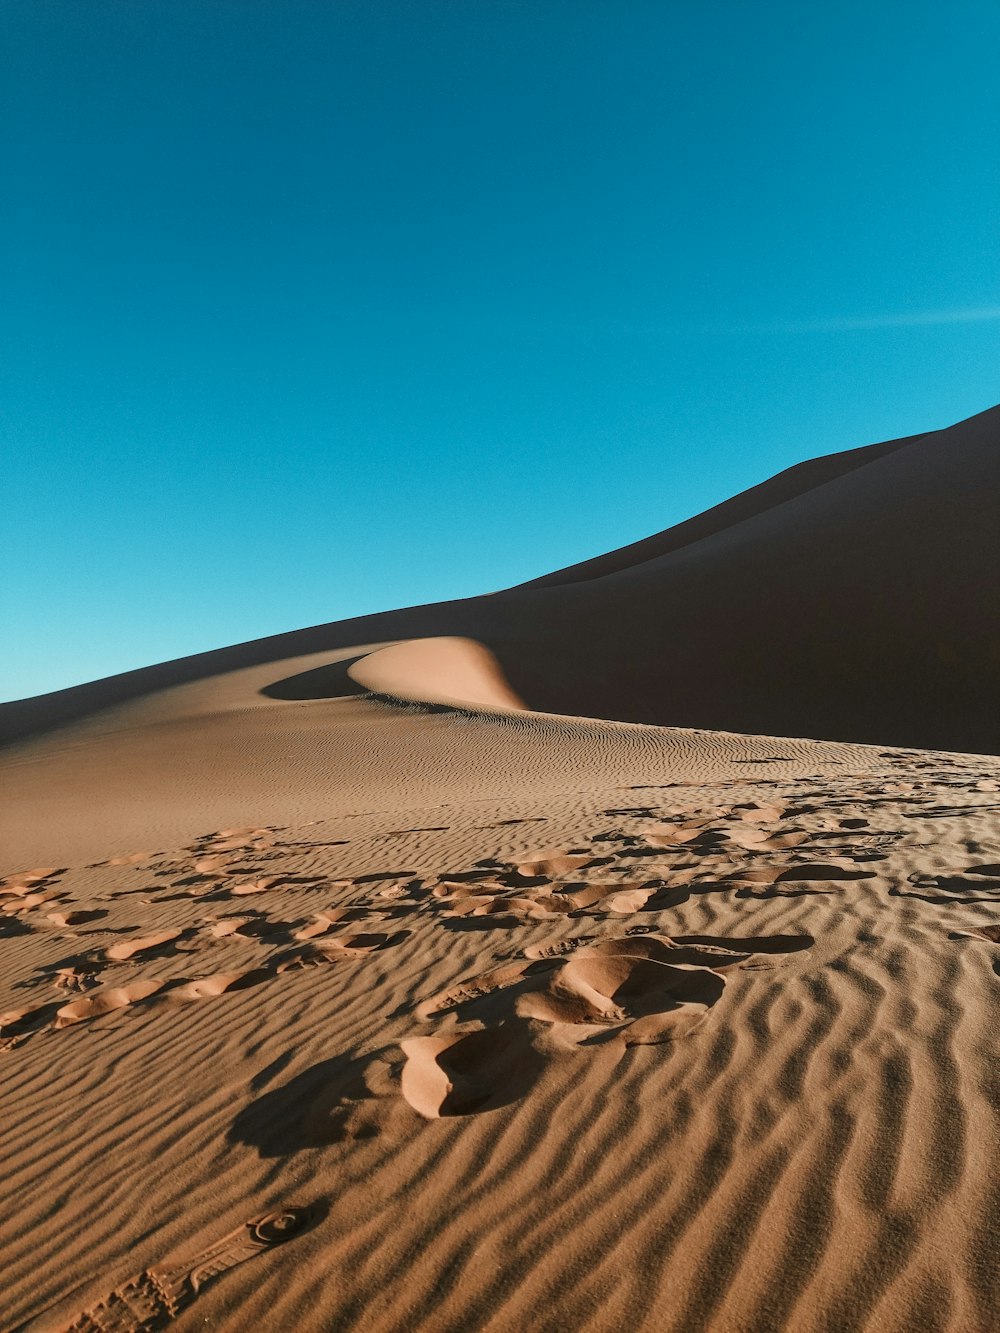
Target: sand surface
{"type": "Point", "coordinates": [322, 1010]}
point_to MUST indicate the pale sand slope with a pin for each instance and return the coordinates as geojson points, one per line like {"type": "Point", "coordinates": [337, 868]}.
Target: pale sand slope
{"type": "Point", "coordinates": [556, 1023]}
{"type": "Point", "coordinates": [311, 1013]}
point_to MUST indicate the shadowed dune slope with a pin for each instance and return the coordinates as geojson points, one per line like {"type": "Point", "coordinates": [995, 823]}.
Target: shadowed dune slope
{"type": "Point", "coordinates": [854, 597]}
{"type": "Point", "coordinates": [867, 608]}
{"type": "Point", "coordinates": [787, 485]}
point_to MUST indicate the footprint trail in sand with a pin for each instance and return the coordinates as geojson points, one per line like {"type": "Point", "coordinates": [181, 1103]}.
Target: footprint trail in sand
{"type": "Point", "coordinates": [653, 944]}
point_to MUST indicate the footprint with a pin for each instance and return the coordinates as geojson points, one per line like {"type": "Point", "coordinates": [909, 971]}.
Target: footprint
{"type": "Point", "coordinates": [542, 907]}
{"type": "Point", "coordinates": [553, 865]}
{"type": "Point", "coordinates": [593, 997]}
{"type": "Point", "coordinates": [808, 870]}
{"type": "Point", "coordinates": [979, 883]}
{"type": "Point", "coordinates": [28, 902]}
{"type": "Point", "coordinates": [451, 889]}
{"type": "Point", "coordinates": [646, 1000]}
{"type": "Point", "coordinates": [486, 983]}
{"type": "Point", "coordinates": [29, 878]}
{"type": "Point", "coordinates": [527, 819]}
{"type": "Point", "coordinates": [73, 979]}
{"type": "Point", "coordinates": [78, 973]}
{"type": "Point", "coordinates": [493, 996]}
{"type": "Point", "coordinates": [532, 902]}
{"type": "Point", "coordinates": [106, 1002]}
{"type": "Point", "coordinates": [968, 876]}
{"type": "Point", "coordinates": [157, 1295]}
{"type": "Point", "coordinates": [215, 864]}
{"type": "Point", "coordinates": [208, 988]}
{"type": "Point", "coordinates": [364, 942]}
{"type": "Point", "coordinates": [558, 948]}
{"type": "Point", "coordinates": [715, 951]}
{"type": "Point", "coordinates": [759, 839]}
{"type": "Point", "coordinates": [626, 901]}
{"type": "Point", "coordinates": [752, 944]}
{"type": "Point", "coordinates": [468, 1073]}
{"type": "Point", "coordinates": [760, 814]}
{"type": "Point", "coordinates": [313, 930]}
{"type": "Point", "coordinates": [250, 886]}
{"type": "Point", "coordinates": [74, 917]}
{"type": "Point", "coordinates": [324, 921]}
{"type": "Point", "coordinates": [662, 949]}
{"type": "Point", "coordinates": [588, 895]}
{"type": "Point", "coordinates": [232, 925]}
{"type": "Point", "coordinates": [15, 1021]}
{"type": "Point", "coordinates": [674, 837]}
{"type": "Point", "coordinates": [120, 953]}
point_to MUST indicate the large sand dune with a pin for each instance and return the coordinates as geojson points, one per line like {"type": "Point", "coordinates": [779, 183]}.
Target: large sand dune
{"type": "Point", "coordinates": [854, 597]}
{"type": "Point", "coordinates": [321, 1010]}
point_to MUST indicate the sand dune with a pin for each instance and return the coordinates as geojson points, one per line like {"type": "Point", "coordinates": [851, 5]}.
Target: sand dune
{"type": "Point", "coordinates": [854, 597]}
{"type": "Point", "coordinates": [488, 1016]}
{"type": "Point", "coordinates": [450, 671]}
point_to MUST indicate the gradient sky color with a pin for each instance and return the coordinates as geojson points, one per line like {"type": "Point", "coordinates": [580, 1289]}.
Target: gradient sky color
{"type": "Point", "coordinates": [314, 309]}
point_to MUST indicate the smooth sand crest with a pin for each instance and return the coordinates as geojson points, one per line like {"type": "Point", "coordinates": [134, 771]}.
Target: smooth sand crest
{"type": "Point", "coordinates": [450, 671]}
{"type": "Point", "coordinates": [553, 1022]}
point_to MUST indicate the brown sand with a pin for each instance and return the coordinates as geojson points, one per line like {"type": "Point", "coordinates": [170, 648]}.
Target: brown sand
{"type": "Point", "coordinates": [531, 1021]}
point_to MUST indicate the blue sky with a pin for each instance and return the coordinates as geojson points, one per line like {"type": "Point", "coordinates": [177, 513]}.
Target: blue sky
{"type": "Point", "coordinates": [313, 309]}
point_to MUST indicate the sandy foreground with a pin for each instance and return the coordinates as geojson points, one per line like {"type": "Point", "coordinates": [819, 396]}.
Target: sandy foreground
{"type": "Point", "coordinates": [323, 1011]}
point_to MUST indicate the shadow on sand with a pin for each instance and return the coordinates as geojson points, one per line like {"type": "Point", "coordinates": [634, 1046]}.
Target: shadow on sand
{"type": "Point", "coordinates": [324, 682]}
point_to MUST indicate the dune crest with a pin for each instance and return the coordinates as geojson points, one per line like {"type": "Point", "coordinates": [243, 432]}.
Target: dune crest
{"type": "Point", "coordinates": [453, 672]}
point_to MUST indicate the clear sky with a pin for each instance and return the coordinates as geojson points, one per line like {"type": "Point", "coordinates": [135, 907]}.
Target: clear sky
{"type": "Point", "coordinates": [310, 308]}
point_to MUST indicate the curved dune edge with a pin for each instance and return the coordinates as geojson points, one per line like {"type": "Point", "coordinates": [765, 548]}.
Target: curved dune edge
{"type": "Point", "coordinates": [461, 673]}
{"type": "Point", "coordinates": [449, 671]}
